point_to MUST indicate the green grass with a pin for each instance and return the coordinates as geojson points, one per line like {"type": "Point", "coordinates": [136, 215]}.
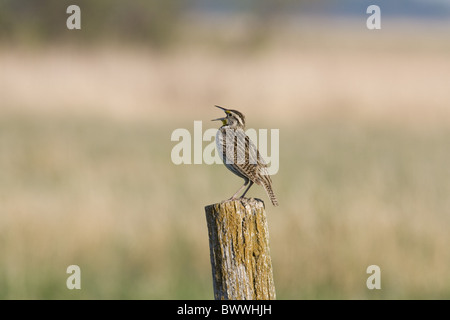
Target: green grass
{"type": "Point", "coordinates": [104, 195]}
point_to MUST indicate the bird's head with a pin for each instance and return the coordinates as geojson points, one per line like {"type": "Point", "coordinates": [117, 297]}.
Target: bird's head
{"type": "Point", "coordinates": [233, 119]}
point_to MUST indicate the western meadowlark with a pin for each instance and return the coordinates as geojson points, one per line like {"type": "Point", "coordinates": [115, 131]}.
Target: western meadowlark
{"type": "Point", "coordinates": [240, 155]}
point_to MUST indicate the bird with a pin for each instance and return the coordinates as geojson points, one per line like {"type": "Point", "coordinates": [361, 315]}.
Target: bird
{"type": "Point", "coordinates": [240, 155]}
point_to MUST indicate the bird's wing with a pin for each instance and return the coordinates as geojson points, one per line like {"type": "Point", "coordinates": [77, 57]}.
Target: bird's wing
{"type": "Point", "coordinates": [242, 152]}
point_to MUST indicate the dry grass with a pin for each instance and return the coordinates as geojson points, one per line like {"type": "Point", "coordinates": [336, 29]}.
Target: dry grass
{"type": "Point", "coordinates": [86, 176]}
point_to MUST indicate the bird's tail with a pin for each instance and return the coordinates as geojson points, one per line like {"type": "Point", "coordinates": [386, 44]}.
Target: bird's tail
{"type": "Point", "coordinates": [268, 187]}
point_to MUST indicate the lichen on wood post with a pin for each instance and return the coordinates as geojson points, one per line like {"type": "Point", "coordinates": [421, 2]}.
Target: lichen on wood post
{"type": "Point", "coordinates": [239, 250]}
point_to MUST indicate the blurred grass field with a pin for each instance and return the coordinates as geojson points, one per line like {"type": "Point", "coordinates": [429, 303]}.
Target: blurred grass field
{"type": "Point", "coordinates": [86, 176]}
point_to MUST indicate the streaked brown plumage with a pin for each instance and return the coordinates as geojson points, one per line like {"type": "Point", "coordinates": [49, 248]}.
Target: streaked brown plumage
{"type": "Point", "coordinates": [240, 155]}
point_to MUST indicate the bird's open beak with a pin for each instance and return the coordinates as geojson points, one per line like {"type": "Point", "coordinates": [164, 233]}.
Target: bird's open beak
{"type": "Point", "coordinates": [224, 119]}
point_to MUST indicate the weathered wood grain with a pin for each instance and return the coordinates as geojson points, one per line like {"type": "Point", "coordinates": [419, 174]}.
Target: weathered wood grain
{"type": "Point", "coordinates": [239, 250]}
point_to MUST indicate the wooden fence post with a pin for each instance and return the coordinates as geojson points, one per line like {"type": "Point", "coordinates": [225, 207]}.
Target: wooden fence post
{"type": "Point", "coordinates": [239, 250]}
